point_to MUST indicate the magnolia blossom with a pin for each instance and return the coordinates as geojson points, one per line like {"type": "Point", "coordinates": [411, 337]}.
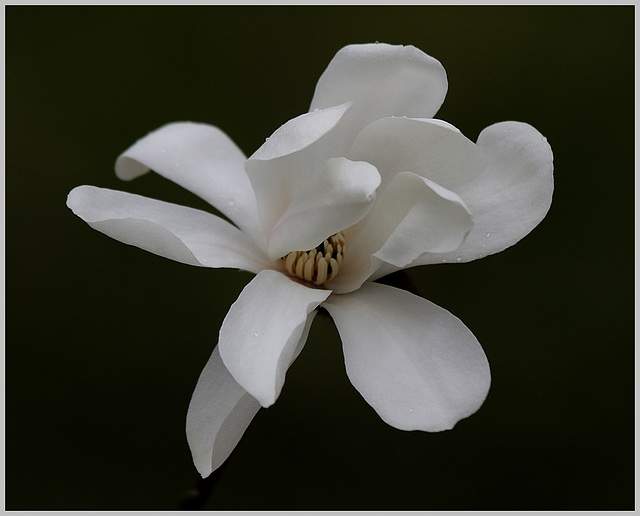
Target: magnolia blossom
{"type": "Point", "coordinates": [364, 184]}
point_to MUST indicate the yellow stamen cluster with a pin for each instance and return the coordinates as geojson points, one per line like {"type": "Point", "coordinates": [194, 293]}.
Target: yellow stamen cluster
{"type": "Point", "coordinates": [318, 265]}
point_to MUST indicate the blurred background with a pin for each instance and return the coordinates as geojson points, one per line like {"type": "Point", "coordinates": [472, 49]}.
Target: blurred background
{"type": "Point", "coordinates": [104, 342]}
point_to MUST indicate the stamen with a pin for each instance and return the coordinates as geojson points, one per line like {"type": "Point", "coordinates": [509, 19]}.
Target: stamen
{"type": "Point", "coordinates": [317, 265]}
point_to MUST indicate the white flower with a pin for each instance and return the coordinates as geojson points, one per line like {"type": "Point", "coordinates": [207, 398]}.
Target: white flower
{"type": "Point", "coordinates": [364, 184]}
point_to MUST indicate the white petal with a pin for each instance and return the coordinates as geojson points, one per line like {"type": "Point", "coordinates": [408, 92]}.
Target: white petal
{"type": "Point", "coordinates": [416, 364]}
{"type": "Point", "coordinates": [176, 232]}
{"type": "Point", "coordinates": [300, 132]}
{"type": "Point", "coordinates": [260, 335]}
{"type": "Point", "coordinates": [202, 159]}
{"type": "Point", "coordinates": [381, 80]}
{"type": "Point", "coordinates": [337, 198]}
{"type": "Point", "coordinates": [413, 216]}
{"type": "Point", "coordinates": [287, 160]}
{"type": "Point", "coordinates": [438, 220]}
{"type": "Point", "coordinates": [219, 413]}
{"type": "Point", "coordinates": [221, 410]}
{"type": "Point", "coordinates": [430, 148]}
{"type": "Point", "coordinates": [512, 195]}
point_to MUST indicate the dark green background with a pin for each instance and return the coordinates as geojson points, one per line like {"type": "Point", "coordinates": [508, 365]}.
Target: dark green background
{"type": "Point", "coordinates": [104, 342]}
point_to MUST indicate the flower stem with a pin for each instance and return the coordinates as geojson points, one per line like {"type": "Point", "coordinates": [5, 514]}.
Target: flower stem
{"type": "Point", "coordinates": [196, 497]}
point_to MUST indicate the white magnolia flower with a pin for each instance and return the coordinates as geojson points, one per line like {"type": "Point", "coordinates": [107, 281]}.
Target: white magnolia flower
{"type": "Point", "coordinates": [364, 184]}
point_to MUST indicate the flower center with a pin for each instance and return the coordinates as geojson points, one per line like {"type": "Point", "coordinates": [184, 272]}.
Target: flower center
{"type": "Point", "coordinates": [318, 265]}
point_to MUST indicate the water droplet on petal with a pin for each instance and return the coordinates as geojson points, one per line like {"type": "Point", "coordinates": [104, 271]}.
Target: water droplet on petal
{"type": "Point", "coordinates": [410, 410]}
{"type": "Point", "coordinates": [255, 333]}
{"type": "Point", "coordinates": [316, 110]}
{"type": "Point", "coordinates": [459, 259]}
{"type": "Point", "coordinates": [488, 235]}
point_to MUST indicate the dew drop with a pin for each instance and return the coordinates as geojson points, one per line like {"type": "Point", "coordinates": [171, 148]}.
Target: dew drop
{"type": "Point", "coordinates": [459, 259]}
{"type": "Point", "coordinates": [255, 333]}
{"type": "Point", "coordinates": [316, 110]}
{"type": "Point", "coordinates": [488, 235]}
{"type": "Point", "coordinates": [410, 410]}
{"type": "Point", "coordinates": [231, 204]}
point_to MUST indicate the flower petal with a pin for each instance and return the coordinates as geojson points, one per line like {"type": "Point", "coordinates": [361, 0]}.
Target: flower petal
{"type": "Point", "coordinates": [261, 333]}
{"type": "Point", "coordinates": [221, 410]}
{"type": "Point", "coordinates": [416, 364]}
{"type": "Point", "coordinates": [381, 80]}
{"type": "Point", "coordinates": [510, 197]}
{"type": "Point", "coordinates": [289, 157]}
{"type": "Point", "coordinates": [219, 413]}
{"type": "Point", "coordinates": [202, 159]}
{"type": "Point", "coordinates": [337, 198]}
{"type": "Point", "coordinates": [430, 148]}
{"type": "Point", "coordinates": [176, 232]}
{"type": "Point", "coordinates": [413, 216]}
{"type": "Point", "coordinates": [438, 220]}
{"type": "Point", "coordinates": [300, 132]}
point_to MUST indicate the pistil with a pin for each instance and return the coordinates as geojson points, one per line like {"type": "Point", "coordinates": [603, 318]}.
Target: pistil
{"type": "Point", "coordinates": [317, 265]}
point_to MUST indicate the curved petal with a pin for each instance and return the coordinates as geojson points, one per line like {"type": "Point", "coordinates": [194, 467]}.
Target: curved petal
{"type": "Point", "coordinates": [337, 198]}
{"type": "Point", "coordinates": [202, 159]}
{"type": "Point", "coordinates": [437, 221]}
{"type": "Point", "coordinates": [413, 216]}
{"type": "Point", "coordinates": [416, 364]}
{"type": "Point", "coordinates": [219, 413]}
{"type": "Point", "coordinates": [300, 132]}
{"type": "Point", "coordinates": [261, 333]}
{"type": "Point", "coordinates": [510, 197]}
{"type": "Point", "coordinates": [221, 410]}
{"type": "Point", "coordinates": [381, 80]}
{"type": "Point", "coordinates": [176, 232]}
{"type": "Point", "coordinates": [430, 148]}
{"type": "Point", "coordinates": [289, 158]}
